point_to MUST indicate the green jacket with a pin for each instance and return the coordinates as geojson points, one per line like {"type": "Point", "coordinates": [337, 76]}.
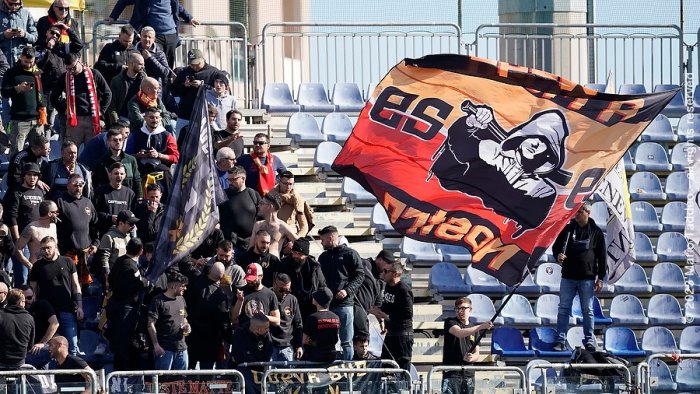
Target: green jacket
{"type": "Point", "coordinates": [100, 175]}
{"type": "Point", "coordinates": [136, 110]}
{"type": "Point", "coordinates": [122, 91]}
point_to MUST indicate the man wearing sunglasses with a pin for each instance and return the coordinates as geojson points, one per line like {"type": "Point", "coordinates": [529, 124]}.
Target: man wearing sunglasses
{"type": "Point", "coordinates": [57, 16]}
{"type": "Point", "coordinates": [113, 245]}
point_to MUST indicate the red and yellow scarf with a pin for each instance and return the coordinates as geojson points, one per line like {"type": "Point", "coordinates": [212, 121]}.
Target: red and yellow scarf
{"type": "Point", "coordinates": [266, 174]}
{"type": "Point", "coordinates": [64, 33]}
{"type": "Point", "coordinates": [70, 100]}
{"type": "Point", "coordinates": [146, 101]}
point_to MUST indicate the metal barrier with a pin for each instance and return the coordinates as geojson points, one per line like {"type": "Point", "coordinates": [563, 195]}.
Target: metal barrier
{"type": "Point", "coordinates": [298, 52]}
{"type": "Point", "coordinates": [349, 371]}
{"type": "Point", "coordinates": [644, 372]}
{"type": "Point", "coordinates": [224, 43]}
{"type": "Point", "coordinates": [155, 374]}
{"type": "Point", "coordinates": [584, 53]}
{"type": "Point", "coordinates": [34, 372]}
{"type": "Point", "coordinates": [446, 368]}
{"type": "Point", "coordinates": [628, 375]}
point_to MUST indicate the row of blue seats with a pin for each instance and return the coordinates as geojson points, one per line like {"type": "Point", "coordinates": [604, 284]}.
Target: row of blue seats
{"type": "Point", "coordinates": [647, 186]}
{"type": "Point", "coordinates": [445, 279]}
{"type": "Point", "coordinates": [312, 97]}
{"type": "Point", "coordinates": [661, 130]}
{"type": "Point", "coordinates": [644, 216]}
{"type": "Point", "coordinates": [304, 128]}
{"type": "Point", "coordinates": [651, 156]}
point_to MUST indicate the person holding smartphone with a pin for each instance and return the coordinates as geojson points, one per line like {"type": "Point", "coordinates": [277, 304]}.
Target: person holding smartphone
{"type": "Point", "coordinates": [187, 84]}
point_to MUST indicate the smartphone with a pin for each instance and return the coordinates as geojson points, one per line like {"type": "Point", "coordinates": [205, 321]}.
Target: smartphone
{"type": "Point", "coordinates": [15, 30]}
{"type": "Point", "coordinates": [190, 78]}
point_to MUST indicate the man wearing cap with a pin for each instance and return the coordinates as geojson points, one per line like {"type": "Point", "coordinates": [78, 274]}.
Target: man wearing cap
{"type": "Point", "coordinates": [260, 253]}
{"type": "Point", "coordinates": [220, 97]}
{"type": "Point", "coordinates": [38, 149]}
{"type": "Point", "coordinates": [168, 325]}
{"type": "Point", "coordinates": [255, 298]}
{"type": "Point", "coordinates": [22, 85]}
{"type": "Point", "coordinates": [344, 273]}
{"type": "Point", "coordinates": [115, 55]}
{"type": "Point", "coordinates": [229, 135]}
{"type": "Point", "coordinates": [294, 210]}
{"type": "Point", "coordinates": [113, 245]}
{"type": "Point", "coordinates": [321, 329]}
{"type": "Point", "coordinates": [188, 82]}
{"type": "Point", "coordinates": [580, 249]}
{"type": "Point", "coordinates": [306, 275]}
{"type": "Point", "coordinates": [282, 235]}
{"type": "Point", "coordinates": [240, 209]}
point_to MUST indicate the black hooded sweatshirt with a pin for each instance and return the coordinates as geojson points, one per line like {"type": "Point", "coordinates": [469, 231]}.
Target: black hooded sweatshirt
{"type": "Point", "coordinates": [16, 336]}
{"type": "Point", "coordinates": [585, 252]}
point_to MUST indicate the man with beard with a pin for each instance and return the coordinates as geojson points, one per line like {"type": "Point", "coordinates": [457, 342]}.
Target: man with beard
{"type": "Point", "coordinates": [240, 209]}
{"type": "Point", "coordinates": [255, 298]}
{"type": "Point", "coordinates": [114, 55]}
{"type": "Point", "coordinates": [230, 136]}
{"type": "Point", "coordinates": [294, 210]}
{"type": "Point", "coordinates": [260, 254]}
{"type": "Point", "coordinates": [113, 245]}
{"type": "Point", "coordinates": [261, 165]}
{"type": "Point", "coordinates": [233, 277]}
{"type": "Point", "coordinates": [36, 231]}
{"type": "Point", "coordinates": [45, 324]}
{"type": "Point", "coordinates": [116, 154]}
{"type": "Point", "coordinates": [58, 349]}
{"type": "Point", "coordinates": [38, 149]}
{"type": "Point", "coordinates": [124, 86]}
{"type": "Point", "coordinates": [282, 235]}
{"type": "Point", "coordinates": [57, 172]}
{"type": "Point", "coordinates": [305, 273]}
{"type": "Point", "coordinates": [287, 337]}
{"type": "Point", "coordinates": [113, 198]}
{"type": "Point", "coordinates": [253, 342]}
{"type": "Point", "coordinates": [208, 311]}
{"type": "Point", "coordinates": [168, 325]}
{"type": "Point", "coordinates": [149, 211]}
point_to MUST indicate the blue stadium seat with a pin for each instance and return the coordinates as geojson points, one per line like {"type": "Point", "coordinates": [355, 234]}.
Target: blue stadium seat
{"type": "Point", "coordinates": [664, 309]}
{"type": "Point", "coordinates": [312, 97]}
{"type": "Point", "coordinates": [692, 305]}
{"type": "Point", "coordinates": [629, 163]}
{"type": "Point", "coordinates": [337, 127]}
{"type": "Point", "coordinates": [548, 276]}
{"type": "Point", "coordinates": [676, 108]}
{"type": "Point", "coordinates": [600, 214]}
{"type": "Point", "coordinates": [643, 250]}
{"type": "Point", "coordinates": [632, 88]}
{"type": "Point", "coordinates": [55, 149]}
{"type": "Point", "coordinates": [644, 217]}
{"type": "Point", "coordinates": [598, 315]}
{"type": "Point", "coordinates": [482, 310]}
{"type": "Point", "coordinates": [481, 282]}
{"type": "Point", "coordinates": [454, 253]}
{"type": "Point", "coordinates": [347, 97]}
{"type": "Point", "coordinates": [508, 342]}
{"type": "Point", "coordinates": [303, 129]}
{"type": "Point", "coordinates": [667, 278]}
{"type": "Point", "coordinates": [621, 342]}
{"type": "Point", "coordinates": [660, 377]}
{"type": "Point", "coordinates": [380, 221]}
{"type": "Point", "coordinates": [677, 186]}
{"type": "Point", "coordinates": [325, 155]}
{"type": "Point", "coordinates": [537, 376]}
{"type": "Point", "coordinates": [278, 98]}
{"type": "Point", "coordinates": [679, 155]}
{"type": "Point", "coordinates": [598, 87]}
{"type": "Point", "coordinates": [659, 340]}
{"type": "Point", "coordinates": [689, 128]}
{"type": "Point", "coordinates": [355, 193]}
{"type": "Point", "coordinates": [634, 280]}
{"type": "Point", "coordinates": [646, 186]}
{"type": "Point", "coordinates": [659, 130]}
{"type": "Point", "coordinates": [547, 308]}
{"type": "Point", "coordinates": [528, 286]}
{"type": "Point", "coordinates": [627, 309]}
{"type": "Point", "coordinates": [671, 246]}
{"type": "Point", "coordinates": [673, 216]}
{"type": "Point", "coordinates": [417, 251]}
{"type": "Point", "coordinates": [542, 340]}
{"type": "Point", "coordinates": [445, 279]}
{"type": "Point", "coordinates": [651, 156]}
{"type": "Point", "coordinates": [689, 341]}
{"type": "Point", "coordinates": [688, 375]}
{"type": "Point", "coordinates": [575, 337]}
{"type": "Point", "coordinates": [519, 311]}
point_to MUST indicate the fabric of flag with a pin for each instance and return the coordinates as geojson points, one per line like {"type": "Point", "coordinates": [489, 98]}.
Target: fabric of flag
{"type": "Point", "coordinates": [486, 155]}
{"type": "Point", "coordinates": [619, 233]}
{"type": "Point", "coordinates": [692, 217]}
{"type": "Point", "coordinates": [191, 212]}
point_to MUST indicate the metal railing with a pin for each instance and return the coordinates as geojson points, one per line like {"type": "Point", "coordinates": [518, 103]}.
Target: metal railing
{"type": "Point", "coordinates": [156, 373]}
{"type": "Point", "coordinates": [349, 371]}
{"type": "Point", "coordinates": [22, 374]}
{"type": "Point", "coordinates": [448, 368]}
{"type": "Point", "coordinates": [644, 371]}
{"type": "Point", "coordinates": [626, 371]}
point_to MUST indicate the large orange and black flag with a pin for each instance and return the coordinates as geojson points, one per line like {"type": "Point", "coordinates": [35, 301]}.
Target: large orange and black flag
{"type": "Point", "coordinates": [487, 155]}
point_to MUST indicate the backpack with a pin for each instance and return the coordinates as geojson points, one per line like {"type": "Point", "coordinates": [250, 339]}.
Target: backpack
{"type": "Point", "coordinates": [607, 377]}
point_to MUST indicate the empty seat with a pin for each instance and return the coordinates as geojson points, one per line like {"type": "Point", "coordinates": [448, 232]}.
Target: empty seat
{"type": "Point", "coordinates": [621, 342]}
{"type": "Point", "coordinates": [528, 285]}
{"type": "Point", "coordinates": [508, 342]}
{"type": "Point", "coordinates": [548, 276]}
{"type": "Point", "coordinates": [277, 97]}
{"type": "Point", "coordinates": [481, 282]}
{"type": "Point", "coordinates": [667, 278]}
{"type": "Point", "coordinates": [380, 220]}
{"type": "Point", "coordinates": [659, 130]}
{"type": "Point", "coordinates": [679, 155]}
{"type": "Point", "coordinates": [542, 341]}
{"type": "Point", "coordinates": [676, 107]}
{"type": "Point", "coordinates": [627, 309]}
{"type": "Point", "coordinates": [482, 310]}
{"type": "Point", "coordinates": [417, 251]}
{"type": "Point", "coordinates": [643, 250]}
{"type": "Point", "coordinates": [336, 127]}
{"type": "Point", "coordinates": [632, 88]}
{"type": "Point", "coordinates": [547, 308]}
{"type": "Point", "coordinates": [644, 217]}
{"type": "Point", "coordinates": [347, 97]}
{"type": "Point", "coordinates": [600, 214]}
{"type": "Point", "coordinates": [312, 97]}
{"type": "Point", "coordinates": [325, 155]}
{"type": "Point", "coordinates": [677, 186]}
{"type": "Point", "coordinates": [599, 317]}
{"type": "Point", "coordinates": [445, 279]}
{"type": "Point", "coordinates": [660, 377]}
{"type": "Point", "coordinates": [302, 128]}
{"type": "Point", "coordinates": [454, 253]}
{"type": "Point", "coordinates": [634, 280]}
{"type": "Point", "coordinates": [575, 337]}
{"type": "Point", "coordinates": [689, 341]}
{"type": "Point", "coordinates": [692, 304]}
{"type": "Point", "coordinates": [688, 375]}
{"type": "Point", "coordinates": [671, 246]}
{"type": "Point", "coordinates": [688, 128]}
{"type": "Point", "coordinates": [651, 156]}
{"type": "Point", "coordinates": [519, 311]}
{"type": "Point", "coordinates": [673, 216]}
{"type": "Point", "coordinates": [598, 87]}
{"type": "Point", "coordinates": [629, 163]}
{"type": "Point", "coordinates": [355, 193]}
{"type": "Point", "coordinates": [646, 186]}
{"type": "Point", "coordinates": [664, 309]}
{"type": "Point", "coordinates": [659, 340]}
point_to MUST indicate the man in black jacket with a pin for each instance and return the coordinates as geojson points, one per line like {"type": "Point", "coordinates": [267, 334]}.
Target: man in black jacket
{"type": "Point", "coordinates": [38, 149]}
{"type": "Point", "coordinates": [344, 273]}
{"type": "Point", "coordinates": [287, 338]}
{"type": "Point", "coordinates": [187, 84]}
{"type": "Point", "coordinates": [260, 253]}
{"type": "Point", "coordinates": [367, 296]}
{"type": "Point", "coordinates": [580, 249]}
{"type": "Point", "coordinates": [114, 55]}
{"type": "Point", "coordinates": [16, 332]}
{"type": "Point", "coordinates": [306, 275]}
{"type": "Point", "coordinates": [56, 173]}
{"type": "Point", "coordinates": [150, 212]}
{"type": "Point", "coordinates": [113, 198]}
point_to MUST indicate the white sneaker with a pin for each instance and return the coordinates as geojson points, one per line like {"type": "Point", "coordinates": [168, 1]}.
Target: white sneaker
{"type": "Point", "coordinates": [100, 349]}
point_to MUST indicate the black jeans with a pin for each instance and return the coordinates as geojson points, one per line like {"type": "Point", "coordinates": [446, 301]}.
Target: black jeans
{"type": "Point", "coordinates": [399, 347]}
{"type": "Point", "coordinates": [169, 44]}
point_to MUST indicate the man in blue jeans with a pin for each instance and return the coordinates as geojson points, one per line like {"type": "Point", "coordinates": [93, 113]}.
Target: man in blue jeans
{"type": "Point", "coordinates": [580, 249]}
{"type": "Point", "coordinates": [344, 272]}
{"type": "Point", "coordinates": [168, 326]}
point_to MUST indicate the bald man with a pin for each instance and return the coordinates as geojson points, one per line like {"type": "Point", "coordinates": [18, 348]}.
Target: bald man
{"type": "Point", "coordinates": [3, 295]}
{"type": "Point", "coordinates": [125, 85]}
{"type": "Point", "coordinates": [147, 97]}
{"type": "Point", "coordinates": [58, 349]}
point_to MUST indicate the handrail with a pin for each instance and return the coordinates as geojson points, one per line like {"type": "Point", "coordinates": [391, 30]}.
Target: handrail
{"type": "Point", "coordinates": [644, 371]}
{"type": "Point", "coordinates": [475, 368]}
{"type": "Point", "coordinates": [39, 372]}
{"type": "Point", "coordinates": [195, 372]}
{"type": "Point", "coordinates": [336, 371]}
{"type": "Point", "coordinates": [628, 375]}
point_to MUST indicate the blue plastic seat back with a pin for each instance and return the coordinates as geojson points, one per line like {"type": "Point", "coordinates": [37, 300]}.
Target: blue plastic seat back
{"type": "Point", "coordinates": [651, 155]}
{"type": "Point", "coordinates": [548, 275]}
{"type": "Point", "coordinates": [380, 220]}
{"type": "Point", "coordinates": [659, 340]}
{"type": "Point", "coordinates": [643, 249]}
{"type": "Point", "coordinates": [519, 309]}
{"type": "Point", "coordinates": [667, 274]}
{"type": "Point", "coordinates": [646, 186]}
{"type": "Point", "coordinates": [482, 308]}
{"type": "Point", "coordinates": [355, 192]}
{"type": "Point", "coordinates": [688, 375]}
{"type": "Point", "coordinates": [312, 97]}
{"type": "Point", "coordinates": [688, 127]}
{"type": "Point", "coordinates": [277, 97]}
{"type": "Point", "coordinates": [620, 339]}
{"type": "Point", "coordinates": [673, 216]}
{"type": "Point", "coordinates": [577, 310]}
{"type": "Point", "coordinates": [665, 309]}
{"type": "Point", "coordinates": [477, 277]}
{"type": "Point", "coordinates": [303, 127]}
{"type": "Point", "coordinates": [543, 338]}
{"type": "Point", "coordinates": [679, 155]}
{"type": "Point", "coordinates": [347, 97]}
{"type": "Point", "coordinates": [659, 130]}
{"type": "Point", "coordinates": [419, 251]}
{"type": "Point", "coordinates": [671, 246]}
{"type": "Point", "coordinates": [627, 309]}
{"type": "Point", "coordinates": [454, 253]}
{"type": "Point", "coordinates": [337, 127]}
{"type": "Point", "coordinates": [445, 277]}
{"type": "Point", "coordinates": [634, 277]}
{"type": "Point", "coordinates": [644, 216]}
{"type": "Point", "coordinates": [575, 337]}
{"type": "Point", "coordinates": [508, 339]}
{"type": "Point", "coordinates": [660, 377]}
{"type": "Point", "coordinates": [677, 186]}
{"type": "Point", "coordinates": [690, 340]}
{"type": "Point", "coordinates": [600, 213]}
{"type": "Point", "coordinates": [325, 155]}
{"type": "Point", "coordinates": [676, 107]}
{"type": "Point", "coordinates": [632, 88]}
{"type": "Point", "coordinates": [629, 163]}
{"type": "Point", "coordinates": [547, 307]}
